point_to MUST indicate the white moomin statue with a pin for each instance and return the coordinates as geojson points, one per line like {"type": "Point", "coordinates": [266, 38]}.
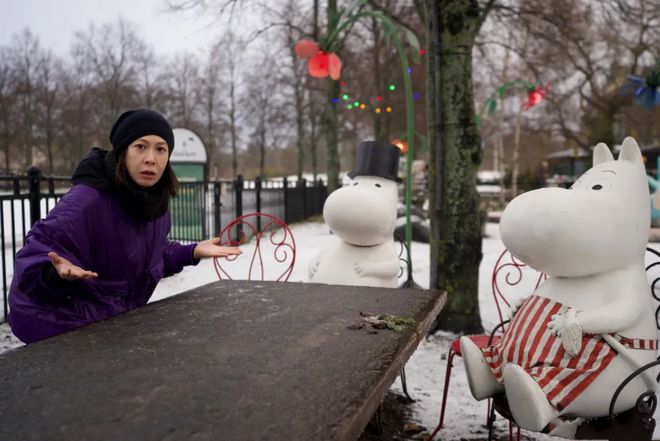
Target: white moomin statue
{"type": "Point", "coordinates": [592, 323]}
{"type": "Point", "coordinates": [362, 217]}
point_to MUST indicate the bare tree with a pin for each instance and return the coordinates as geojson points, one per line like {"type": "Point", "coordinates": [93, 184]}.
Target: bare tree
{"type": "Point", "coordinates": [77, 123]}
{"type": "Point", "coordinates": [297, 68]}
{"type": "Point", "coordinates": [265, 111]}
{"type": "Point", "coordinates": [8, 110]}
{"type": "Point", "coordinates": [26, 55]}
{"type": "Point", "coordinates": [313, 112]}
{"type": "Point", "coordinates": [305, 91]}
{"type": "Point", "coordinates": [587, 49]}
{"type": "Point", "coordinates": [49, 94]}
{"type": "Point", "coordinates": [329, 123]}
{"type": "Point", "coordinates": [380, 133]}
{"type": "Point", "coordinates": [150, 79]}
{"type": "Point", "coordinates": [183, 77]}
{"type": "Point", "coordinates": [231, 74]}
{"type": "Point", "coordinates": [218, 7]}
{"type": "Point", "coordinates": [112, 52]}
{"type": "Point", "coordinates": [210, 100]}
{"type": "Point", "coordinates": [329, 119]}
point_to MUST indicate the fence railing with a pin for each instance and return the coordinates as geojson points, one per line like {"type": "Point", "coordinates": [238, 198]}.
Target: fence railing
{"type": "Point", "coordinates": [199, 211]}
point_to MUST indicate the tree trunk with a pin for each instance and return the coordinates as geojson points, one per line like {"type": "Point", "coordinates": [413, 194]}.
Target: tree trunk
{"type": "Point", "coordinates": [377, 118]}
{"type": "Point", "coordinates": [27, 120]}
{"type": "Point", "coordinates": [299, 103]}
{"type": "Point", "coordinates": [232, 124]}
{"type": "Point", "coordinates": [330, 134]}
{"type": "Point", "coordinates": [330, 114]}
{"type": "Point", "coordinates": [455, 154]}
{"type": "Point", "coordinates": [209, 89]}
{"type": "Point", "coordinates": [312, 145]}
{"type": "Point", "coordinates": [6, 143]}
{"type": "Point", "coordinates": [312, 117]}
{"type": "Point", "coordinates": [515, 162]}
{"type": "Point", "coordinates": [210, 133]}
{"type": "Point", "coordinates": [300, 132]}
{"type": "Point", "coordinates": [49, 142]}
{"type": "Point", "coordinates": [6, 138]}
{"type": "Point", "coordinates": [262, 143]}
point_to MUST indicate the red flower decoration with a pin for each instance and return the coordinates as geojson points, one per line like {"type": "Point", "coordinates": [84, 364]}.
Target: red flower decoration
{"type": "Point", "coordinates": [319, 64]}
{"type": "Point", "coordinates": [536, 96]}
{"type": "Point", "coordinates": [306, 49]}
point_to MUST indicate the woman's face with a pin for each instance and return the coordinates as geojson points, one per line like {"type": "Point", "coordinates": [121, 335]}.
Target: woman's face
{"type": "Point", "coordinates": [146, 159]}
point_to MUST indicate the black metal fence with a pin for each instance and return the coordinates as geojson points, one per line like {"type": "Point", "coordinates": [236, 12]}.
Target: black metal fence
{"type": "Point", "coordinates": [199, 211]}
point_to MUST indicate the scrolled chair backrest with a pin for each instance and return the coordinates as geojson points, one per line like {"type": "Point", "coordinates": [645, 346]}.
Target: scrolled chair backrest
{"type": "Point", "coordinates": [268, 245]}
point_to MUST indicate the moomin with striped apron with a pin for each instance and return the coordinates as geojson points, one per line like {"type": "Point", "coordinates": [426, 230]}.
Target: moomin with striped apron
{"type": "Point", "coordinates": [529, 343]}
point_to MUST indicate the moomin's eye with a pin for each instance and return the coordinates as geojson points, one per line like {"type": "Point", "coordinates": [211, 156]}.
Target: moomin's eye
{"type": "Point", "coordinates": [600, 185]}
{"type": "Point", "coordinates": [377, 185]}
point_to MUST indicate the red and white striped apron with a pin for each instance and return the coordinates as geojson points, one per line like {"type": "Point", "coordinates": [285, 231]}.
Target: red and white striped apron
{"type": "Point", "coordinates": [528, 343]}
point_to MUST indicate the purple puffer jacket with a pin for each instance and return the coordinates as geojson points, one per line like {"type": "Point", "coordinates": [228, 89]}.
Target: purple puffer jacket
{"type": "Point", "coordinates": [90, 228]}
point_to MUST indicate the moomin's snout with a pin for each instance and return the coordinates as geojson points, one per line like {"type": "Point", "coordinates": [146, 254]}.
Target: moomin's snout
{"type": "Point", "coordinates": [361, 215]}
{"type": "Point", "coordinates": [565, 232]}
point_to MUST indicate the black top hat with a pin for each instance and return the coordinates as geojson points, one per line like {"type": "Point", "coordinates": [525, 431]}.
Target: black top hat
{"type": "Point", "coordinates": [375, 158]}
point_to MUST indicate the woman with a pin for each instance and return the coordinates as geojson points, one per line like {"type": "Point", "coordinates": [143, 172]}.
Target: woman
{"type": "Point", "coordinates": [103, 248]}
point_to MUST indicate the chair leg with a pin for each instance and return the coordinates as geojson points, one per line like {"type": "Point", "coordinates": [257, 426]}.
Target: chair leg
{"type": "Point", "coordinates": [490, 402]}
{"type": "Point", "coordinates": [404, 384]}
{"type": "Point", "coordinates": [491, 422]}
{"type": "Point", "coordinates": [450, 359]}
{"type": "Point", "coordinates": [511, 432]}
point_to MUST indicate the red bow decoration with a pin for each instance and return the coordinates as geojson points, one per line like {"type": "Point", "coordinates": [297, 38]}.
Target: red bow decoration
{"type": "Point", "coordinates": [535, 96]}
{"type": "Point", "coordinates": [320, 64]}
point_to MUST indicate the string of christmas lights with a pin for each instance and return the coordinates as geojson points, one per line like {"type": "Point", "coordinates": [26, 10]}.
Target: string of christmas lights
{"type": "Point", "coordinates": [378, 106]}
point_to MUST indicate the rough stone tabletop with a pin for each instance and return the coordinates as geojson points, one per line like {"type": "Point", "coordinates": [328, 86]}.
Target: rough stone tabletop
{"type": "Point", "coordinates": [232, 360]}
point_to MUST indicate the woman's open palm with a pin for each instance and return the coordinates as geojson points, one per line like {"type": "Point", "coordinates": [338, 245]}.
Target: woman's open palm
{"type": "Point", "coordinates": [69, 271]}
{"type": "Point", "coordinates": [212, 248]}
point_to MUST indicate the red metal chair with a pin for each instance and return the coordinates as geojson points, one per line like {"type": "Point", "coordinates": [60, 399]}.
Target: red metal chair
{"type": "Point", "coordinates": [266, 241]}
{"type": "Point", "coordinates": [508, 272]}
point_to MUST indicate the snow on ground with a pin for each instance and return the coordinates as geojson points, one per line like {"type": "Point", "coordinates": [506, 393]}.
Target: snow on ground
{"type": "Point", "coordinates": [465, 418]}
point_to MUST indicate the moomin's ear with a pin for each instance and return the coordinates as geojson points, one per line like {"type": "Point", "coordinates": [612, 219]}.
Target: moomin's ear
{"type": "Point", "coordinates": [630, 152]}
{"type": "Point", "coordinates": [602, 154]}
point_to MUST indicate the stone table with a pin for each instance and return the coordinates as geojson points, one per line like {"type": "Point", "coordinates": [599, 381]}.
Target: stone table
{"type": "Point", "coordinates": [231, 360]}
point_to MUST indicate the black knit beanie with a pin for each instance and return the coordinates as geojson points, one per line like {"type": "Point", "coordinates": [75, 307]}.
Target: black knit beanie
{"type": "Point", "coordinates": [141, 122]}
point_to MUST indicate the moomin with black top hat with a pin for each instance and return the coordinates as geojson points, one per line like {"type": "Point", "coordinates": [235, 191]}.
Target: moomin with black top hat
{"type": "Point", "coordinates": [362, 217]}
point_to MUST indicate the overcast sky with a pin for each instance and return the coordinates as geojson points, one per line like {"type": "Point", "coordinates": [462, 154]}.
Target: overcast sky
{"type": "Point", "coordinates": [54, 22]}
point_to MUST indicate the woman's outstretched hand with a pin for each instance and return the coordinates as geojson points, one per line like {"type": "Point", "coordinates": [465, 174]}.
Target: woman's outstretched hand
{"type": "Point", "coordinates": [69, 271]}
{"type": "Point", "coordinates": [212, 248]}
